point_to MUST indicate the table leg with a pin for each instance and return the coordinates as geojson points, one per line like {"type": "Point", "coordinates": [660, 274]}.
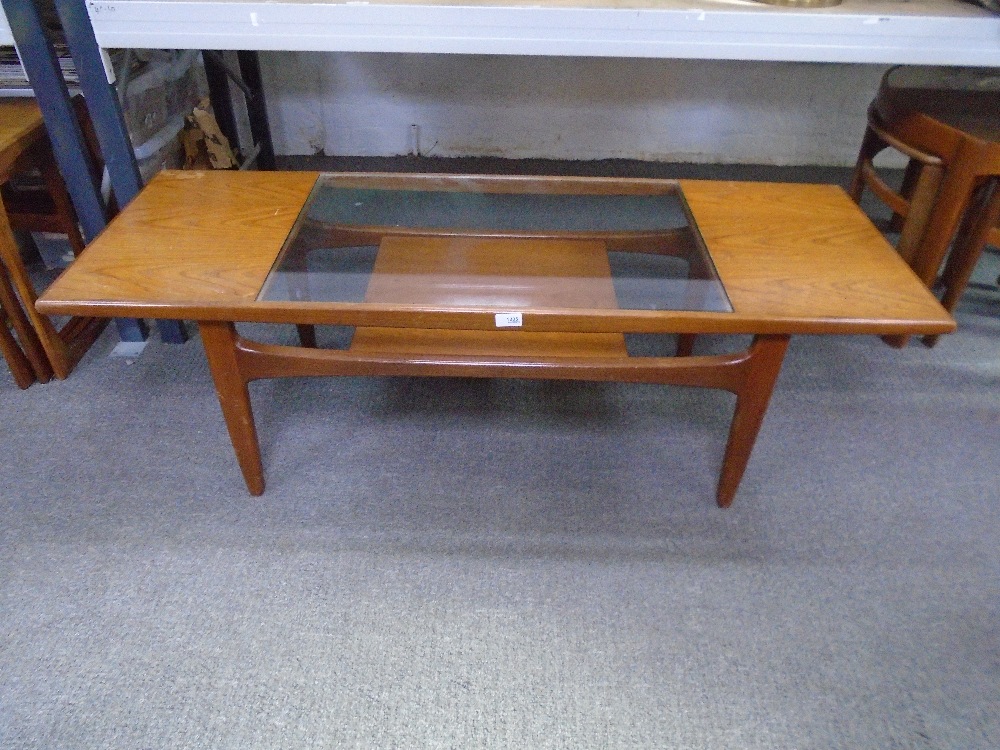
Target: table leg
{"type": "Point", "coordinates": [685, 344]}
{"type": "Point", "coordinates": [983, 216]}
{"type": "Point", "coordinates": [220, 340]}
{"type": "Point", "coordinates": [19, 365]}
{"type": "Point", "coordinates": [956, 189]}
{"type": "Point", "coordinates": [307, 336]}
{"type": "Point", "coordinates": [753, 394]}
{"type": "Point", "coordinates": [31, 346]}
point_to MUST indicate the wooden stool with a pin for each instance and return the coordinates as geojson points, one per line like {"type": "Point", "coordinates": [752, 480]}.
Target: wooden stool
{"type": "Point", "coordinates": [945, 120]}
{"type": "Point", "coordinates": [23, 146]}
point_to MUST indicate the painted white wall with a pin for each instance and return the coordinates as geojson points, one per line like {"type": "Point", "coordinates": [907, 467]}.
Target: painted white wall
{"type": "Point", "coordinates": [364, 104]}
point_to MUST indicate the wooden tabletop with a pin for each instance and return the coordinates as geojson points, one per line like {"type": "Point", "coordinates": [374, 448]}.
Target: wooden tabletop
{"type": "Point", "coordinates": [793, 259]}
{"type": "Point", "coordinates": [21, 124]}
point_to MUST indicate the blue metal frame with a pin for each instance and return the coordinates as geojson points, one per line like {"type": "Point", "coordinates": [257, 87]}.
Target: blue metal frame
{"type": "Point", "coordinates": [102, 101]}
{"type": "Point", "coordinates": [41, 64]}
{"type": "Point", "coordinates": [109, 123]}
{"type": "Point", "coordinates": [69, 148]}
{"type": "Point", "coordinates": [40, 61]}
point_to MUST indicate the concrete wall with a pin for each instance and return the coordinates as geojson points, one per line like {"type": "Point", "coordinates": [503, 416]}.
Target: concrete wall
{"type": "Point", "coordinates": [366, 104]}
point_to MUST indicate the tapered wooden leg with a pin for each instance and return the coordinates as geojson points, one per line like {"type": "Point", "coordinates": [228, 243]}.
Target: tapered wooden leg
{"type": "Point", "coordinates": [922, 194]}
{"type": "Point", "coordinates": [685, 344]}
{"type": "Point", "coordinates": [220, 341]}
{"type": "Point", "coordinates": [897, 340]}
{"type": "Point", "coordinates": [983, 216]}
{"type": "Point", "coordinates": [307, 335]}
{"type": "Point", "coordinates": [30, 347]}
{"type": "Point", "coordinates": [19, 365]}
{"type": "Point", "coordinates": [752, 398]}
{"type": "Point", "coordinates": [957, 187]}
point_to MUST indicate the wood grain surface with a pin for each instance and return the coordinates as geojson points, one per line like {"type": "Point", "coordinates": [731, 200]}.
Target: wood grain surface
{"type": "Point", "coordinates": [189, 237]}
{"type": "Point", "coordinates": [798, 252]}
{"type": "Point", "coordinates": [21, 124]}
{"type": "Point", "coordinates": [507, 274]}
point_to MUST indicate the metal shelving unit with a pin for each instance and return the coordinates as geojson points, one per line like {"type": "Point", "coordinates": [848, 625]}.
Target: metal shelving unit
{"type": "Point", "coordinates": [938, 32]}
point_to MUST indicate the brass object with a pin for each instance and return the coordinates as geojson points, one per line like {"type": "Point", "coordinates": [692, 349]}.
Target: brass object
{"type": "Point", "coordinates": [802, 3]}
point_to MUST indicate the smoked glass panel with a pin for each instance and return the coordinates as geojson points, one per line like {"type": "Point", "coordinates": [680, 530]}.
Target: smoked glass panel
{"type": "Point", "coordinates": [466, 243]}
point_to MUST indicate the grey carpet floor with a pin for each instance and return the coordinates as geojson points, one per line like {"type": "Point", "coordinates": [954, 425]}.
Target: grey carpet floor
{"type": "Point", "coordinates": [504, 564]}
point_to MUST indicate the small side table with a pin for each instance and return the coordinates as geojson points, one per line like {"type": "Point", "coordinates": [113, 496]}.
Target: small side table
{"type": "Point", "coordinates": [23, 144]}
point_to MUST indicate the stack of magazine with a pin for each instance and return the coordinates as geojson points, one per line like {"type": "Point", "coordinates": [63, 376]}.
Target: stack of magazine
{"type": "Point", "coordinates": [14, 81]}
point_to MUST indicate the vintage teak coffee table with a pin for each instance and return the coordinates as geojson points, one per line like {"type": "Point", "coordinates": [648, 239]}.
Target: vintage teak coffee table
{"type": "Point", "coordinates": [499, 277]}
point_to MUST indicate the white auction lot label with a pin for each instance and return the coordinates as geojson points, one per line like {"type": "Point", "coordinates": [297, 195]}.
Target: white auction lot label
{"type": "Point", "coordinates": [509, 320]}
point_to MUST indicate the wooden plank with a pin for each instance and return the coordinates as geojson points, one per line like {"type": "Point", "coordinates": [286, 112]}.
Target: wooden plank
{"type": "Point", "coordinates": [190, 238]}
{"type": "Point", "coordinates": [790, 252]}
{"type": "Point", "coordinates": [442, 343]}
{"type": "Point", "coordinates": [506, 273]}
{"type": "Point", "coordinates": [499, 273]}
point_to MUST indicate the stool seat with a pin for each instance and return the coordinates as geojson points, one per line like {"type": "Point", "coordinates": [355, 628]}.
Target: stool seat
{"type": "Point", "coordinates": [963, 99]}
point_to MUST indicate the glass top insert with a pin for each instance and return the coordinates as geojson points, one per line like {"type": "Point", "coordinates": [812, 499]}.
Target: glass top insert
{"type": "Point", "coordinates": [497, 245]}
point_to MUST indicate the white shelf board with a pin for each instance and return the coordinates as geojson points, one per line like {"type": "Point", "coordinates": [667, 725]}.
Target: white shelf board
{"type": "Point", "coordinates": [6, 38]}
{"type": "Point", "coordinates": [944, 32]}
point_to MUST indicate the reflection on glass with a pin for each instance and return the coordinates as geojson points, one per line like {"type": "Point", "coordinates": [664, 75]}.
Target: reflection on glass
{"type": "Point", "coordinates": [452, 244]}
